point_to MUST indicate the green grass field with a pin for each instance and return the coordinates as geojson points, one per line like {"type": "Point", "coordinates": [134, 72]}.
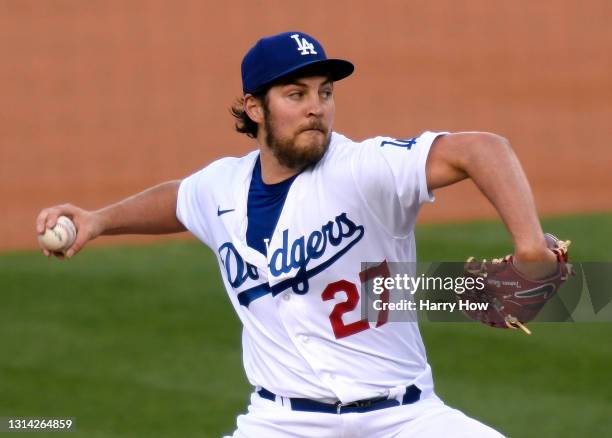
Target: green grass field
{"type": "Point", "coordinates": [141, 341]}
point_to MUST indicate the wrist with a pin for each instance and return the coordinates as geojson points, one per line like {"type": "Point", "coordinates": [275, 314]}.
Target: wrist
{"type": "Point", "coordinates": [535, 262]}
{"type": "Point", "coordinates": [99, 223]}
{"type": "Point", "coordinates": [535, 253]}
{"type": "Point", "coordinates": [532, 248]}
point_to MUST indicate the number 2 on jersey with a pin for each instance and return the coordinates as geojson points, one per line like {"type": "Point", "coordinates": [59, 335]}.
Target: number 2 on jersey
{"type": "Point", "coordinates": [340, 328]}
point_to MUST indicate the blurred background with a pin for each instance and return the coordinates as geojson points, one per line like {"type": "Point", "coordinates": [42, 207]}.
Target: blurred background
{"type": "Point", "coordinates": [101, 99]}
{"type": "Point", "coordinates": [104, 98]}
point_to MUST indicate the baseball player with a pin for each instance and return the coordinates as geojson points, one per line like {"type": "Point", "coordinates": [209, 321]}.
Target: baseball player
{"type": "Point", "coordinates": [290, 224]}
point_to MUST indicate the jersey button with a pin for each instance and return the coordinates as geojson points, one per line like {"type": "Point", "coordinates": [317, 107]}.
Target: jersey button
{"type": "Point", "coordinates": [286, 296]}
{"type": "Point", "coordinates": [304, 339]}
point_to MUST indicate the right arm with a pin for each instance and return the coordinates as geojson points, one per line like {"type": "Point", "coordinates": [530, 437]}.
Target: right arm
{"type": "Point", "coordinates": [152, 211]}
{"type": "Point", "coordinates": [490, 162]}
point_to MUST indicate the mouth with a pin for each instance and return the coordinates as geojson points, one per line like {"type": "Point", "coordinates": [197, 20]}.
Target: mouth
{"type": "Point", "coordinates": [314, 130]}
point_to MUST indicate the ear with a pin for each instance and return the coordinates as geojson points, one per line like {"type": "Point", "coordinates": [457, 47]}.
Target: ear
{"type": "Point", "coordinates": [254, 109]}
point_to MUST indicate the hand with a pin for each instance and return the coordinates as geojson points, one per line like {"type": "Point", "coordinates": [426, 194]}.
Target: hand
{"type": "Point", "coordinates": [88, 224]}
{"type": "Point", "coordinates": [536, 264]}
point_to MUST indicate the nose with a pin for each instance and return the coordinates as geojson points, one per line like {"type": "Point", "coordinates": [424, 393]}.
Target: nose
{"type": "Point", "coordinates": [315, 105]}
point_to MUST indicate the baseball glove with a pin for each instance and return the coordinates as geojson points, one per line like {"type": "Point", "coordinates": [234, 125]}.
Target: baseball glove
{"type": "Point", "coordinates": [513, 300]}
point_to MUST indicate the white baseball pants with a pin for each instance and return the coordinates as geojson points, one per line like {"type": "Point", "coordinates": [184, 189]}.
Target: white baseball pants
{"type": "Point", "coordinates": [427, 418]}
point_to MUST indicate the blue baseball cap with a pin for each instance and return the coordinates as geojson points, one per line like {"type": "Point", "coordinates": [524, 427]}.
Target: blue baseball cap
{"type": "Point", "coordinates": [276, 56]}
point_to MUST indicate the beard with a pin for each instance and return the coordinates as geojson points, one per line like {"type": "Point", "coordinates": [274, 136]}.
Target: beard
{"type": "Point", "coordinates": [293, 156]}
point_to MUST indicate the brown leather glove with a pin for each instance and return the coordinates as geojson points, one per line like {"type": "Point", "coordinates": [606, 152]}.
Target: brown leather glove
{"type": "Point", "coordinates": [513, 300]}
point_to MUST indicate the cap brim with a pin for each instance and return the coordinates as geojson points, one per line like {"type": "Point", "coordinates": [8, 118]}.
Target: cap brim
{"type": "Point", "coordinates": [338, 69]}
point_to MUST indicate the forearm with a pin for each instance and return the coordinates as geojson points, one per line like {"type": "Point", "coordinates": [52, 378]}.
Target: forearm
{"type": "Point", "coordinates": [152, 211]}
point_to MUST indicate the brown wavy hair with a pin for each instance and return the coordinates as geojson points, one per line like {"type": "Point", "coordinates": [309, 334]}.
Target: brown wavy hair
{"type": "Point", "coordinates": [244, 124]}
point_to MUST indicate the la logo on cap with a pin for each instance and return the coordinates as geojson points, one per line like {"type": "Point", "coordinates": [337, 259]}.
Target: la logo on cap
{"type": "Point", "coordinates": [276, 56]}
{"type": "Point", "coordinates": [303, 46]}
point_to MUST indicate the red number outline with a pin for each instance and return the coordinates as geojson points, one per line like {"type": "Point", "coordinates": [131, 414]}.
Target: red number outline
{"type": "Point", "coordinates": [380, 270]}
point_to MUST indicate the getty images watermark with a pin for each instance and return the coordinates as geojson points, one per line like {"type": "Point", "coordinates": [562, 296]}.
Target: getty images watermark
{"type": "Point", "coordinates": [409, 284]}
{"type": "Point", "coordinates": [435, 291]}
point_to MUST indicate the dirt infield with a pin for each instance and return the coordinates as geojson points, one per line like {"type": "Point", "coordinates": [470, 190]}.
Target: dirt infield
{"type": "Point", "coordinates": [104, 98]}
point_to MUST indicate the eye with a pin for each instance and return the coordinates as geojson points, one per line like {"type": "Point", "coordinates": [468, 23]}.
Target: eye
{"type": "Point", "coordinates": [326, 94]}
{"type": "Point", "coordinates": [296, 95]}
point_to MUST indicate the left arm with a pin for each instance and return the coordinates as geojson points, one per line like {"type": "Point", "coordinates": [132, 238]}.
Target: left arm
{"type": "Point", "coordinates": [490, 162]}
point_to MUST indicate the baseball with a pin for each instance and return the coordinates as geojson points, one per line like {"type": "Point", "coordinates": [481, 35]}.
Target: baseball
{"type": "Point", "coordinates": [60, 237]}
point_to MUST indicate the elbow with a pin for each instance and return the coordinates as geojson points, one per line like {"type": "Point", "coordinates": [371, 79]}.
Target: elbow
{"type": "Point", "coordinates": [488, 147]}
{"type": "Point", "coordinates": [456, 156]}
{"type": "Point", "coordinates": [488, 140]}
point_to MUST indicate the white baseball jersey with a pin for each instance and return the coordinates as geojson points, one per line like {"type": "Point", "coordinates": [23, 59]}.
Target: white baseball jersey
{"type": "Point", "coordinates": [300, 305]}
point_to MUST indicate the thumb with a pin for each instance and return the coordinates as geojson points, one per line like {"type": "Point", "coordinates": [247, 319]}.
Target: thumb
{"type": "Point", "coordinates": [81, 239]}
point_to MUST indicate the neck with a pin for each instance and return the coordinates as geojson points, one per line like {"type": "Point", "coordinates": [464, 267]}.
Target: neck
{"type": "Point", "coordinates": [272, 171]}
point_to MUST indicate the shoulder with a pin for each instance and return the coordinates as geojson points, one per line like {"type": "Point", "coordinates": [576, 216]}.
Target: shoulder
{"type": "Point", "coordinates": [231, 164]}
{"type": "Point", "coordinates": [226, 167]}
{"type": "Point", "coordinates": [342, 148]}
{"type": "Point", "coordinates": [383, 149]}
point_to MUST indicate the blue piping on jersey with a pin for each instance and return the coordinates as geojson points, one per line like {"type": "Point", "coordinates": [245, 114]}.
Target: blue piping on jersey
{"type": "Point", "coordinates": [301, 278]}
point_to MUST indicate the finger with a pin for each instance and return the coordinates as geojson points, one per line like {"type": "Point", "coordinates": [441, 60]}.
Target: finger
{"type": "Point", "coordinates": [80, 241]}
{"type": "Point", "coordinates": [52, 220]}
{"type": "Point", "coordinates": [47, 218]}
{"type": "Point", "coordinates": [74, 249]}
{"type": "Point", "coordinates": [46, 253]}
{"type": "Point", "coordinates": [41, 221]}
